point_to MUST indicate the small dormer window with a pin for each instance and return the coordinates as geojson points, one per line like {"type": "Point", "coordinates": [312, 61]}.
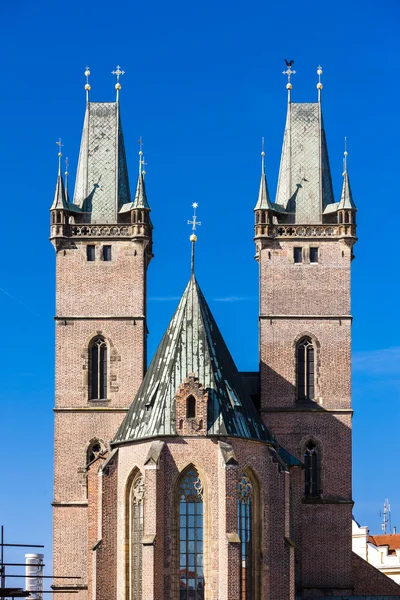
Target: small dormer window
{"type": "Point", "coordinates": [191, 407]}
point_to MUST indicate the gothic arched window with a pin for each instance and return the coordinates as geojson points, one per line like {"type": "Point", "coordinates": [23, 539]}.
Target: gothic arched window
{"type": "Point", "coordinates": [98, 368]}
{"type": "Point", "coordinates": [246, 535]}
{"type": "Point", "coordinates": [191, 407]}
{"type": "Point", "coordinates": [135, 536]}
{"type": "Point", "coordinates": [311, 476]}
{"type": "Point", "coordinates": [94, 450]}
{"type": "Point", "coordinates": [305, 354]}
{"type": "Point", "coordinates": [191, 574]}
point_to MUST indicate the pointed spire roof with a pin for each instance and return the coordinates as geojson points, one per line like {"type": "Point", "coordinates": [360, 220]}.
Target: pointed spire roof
{"type": "Point", "coordinates": [140, 200]}
{"type": "Point", "coordinates": [102, 183]}
{"type": "Point", "coordinates": [60, 200]}
{"type": "Point", "coordinates": [263, 202]}
{"type": "Point", "coordinates": [192, 344]}
{"type": "Point", "coordinates": [346, 199]}
{"type": "Point", "coordinates": [304, 183]}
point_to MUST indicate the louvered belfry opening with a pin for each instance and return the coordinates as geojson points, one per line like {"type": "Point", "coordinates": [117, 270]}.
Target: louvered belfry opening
{"type": "Point", "coordinates": [98, 369]}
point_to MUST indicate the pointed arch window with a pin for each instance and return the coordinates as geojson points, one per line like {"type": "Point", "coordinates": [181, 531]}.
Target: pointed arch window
{"type": "Point", "coordinates": [305, 355]}
{"type": "Point", "coordinates": [246, 535]}
{"type": "Point", "coordinates": [98, 368]}
{"type": "Point", "coordinates": [135, 535]}
{"type": "Point", "coordinates": [311, 477]}
{"type": "Point", "coordinates": [191, 573]}
{"type": "Point", "coordinates": [94, 450]}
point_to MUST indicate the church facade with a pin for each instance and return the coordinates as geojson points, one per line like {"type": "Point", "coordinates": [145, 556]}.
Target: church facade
{"type": "Point", "coordinates": [189, 479]}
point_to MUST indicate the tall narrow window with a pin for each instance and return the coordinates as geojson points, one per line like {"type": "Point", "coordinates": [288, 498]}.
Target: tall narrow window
{"type": "Point", "coordinates": [298, 254]}
{"type": "Point", "coordinates": [305, 370]}
{"type": "Point", "coordinates": [311, 470]}
{"type": "Point", "coordinates": [245, 530]}
{"type": "Point", "coordinates": [191, 407]}
{"type": "Point", "coordinates": [98, 369]}
{"type": "Point", "coordinates": [313, 255]}
{"type": "Point", "coordinates": [91, 252]}
{"type": "Point", "coordinates": [107, 253]}
{"type": "Point", "coordinates": [136, 496]}
{"type": "Point", "coordinates": [191, 574]}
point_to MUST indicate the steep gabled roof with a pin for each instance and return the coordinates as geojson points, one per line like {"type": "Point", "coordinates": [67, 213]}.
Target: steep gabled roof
{"type": "Point", "coordinates": [192, 344]}
{"type": "Point", "coordinates": [102, 183]}
{"type": "Point", "coordinates": [304, 184]}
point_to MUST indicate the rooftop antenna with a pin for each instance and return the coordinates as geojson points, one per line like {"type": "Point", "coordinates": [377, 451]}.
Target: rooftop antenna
{"type": "Point", "coordinates": [386, 518]}
{"type": "Point", "coordinates": [319, 84]}
{"type": "Point", "coordinates": [118, 72]}
{"type": "Point", "coordinates": [87, 85]}
{"type": "Point", "coordinates": [193, 237]}
{"type": "Point", "coordinates": [289, 73]}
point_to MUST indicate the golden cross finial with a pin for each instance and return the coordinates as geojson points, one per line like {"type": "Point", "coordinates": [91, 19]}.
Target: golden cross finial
{"type": "Point", "coordinates": [289, 73]}
{"type": "Point", "coordinates": [60, 145]}
{"type": "Point", "coordinates": [87, 84]}
{"type": "Point", "coordinates": [319, 84]}
{"type": "Point", "coordinates": [118, 72]}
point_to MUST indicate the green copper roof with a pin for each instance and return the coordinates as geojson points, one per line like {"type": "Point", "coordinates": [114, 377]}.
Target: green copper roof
{"type": "Point", "coordinates": [192, 344]}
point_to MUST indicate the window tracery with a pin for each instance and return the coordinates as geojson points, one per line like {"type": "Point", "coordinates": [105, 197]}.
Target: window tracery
{"type": "Point", "coordinates": [136, 523]}
{"type": "Point", "coordinates": [305, 358]}
{"type": "Point", "coordinates": [98, 362]}
{"type": "Point", "coordinates": [191, 573]}
{"type": "Point", "coordinates": [245, 531]}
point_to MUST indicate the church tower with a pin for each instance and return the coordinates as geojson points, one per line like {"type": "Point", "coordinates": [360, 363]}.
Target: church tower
{"type": "Point", "coordinates": [103, 244]}
{"type": "Point", "coordinates": [304, 247]}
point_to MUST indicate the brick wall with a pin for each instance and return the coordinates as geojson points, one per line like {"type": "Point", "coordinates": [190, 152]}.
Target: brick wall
{"type": "Point", "coordinates": [314, 300]}
{"type": "Point", "coordinates": [105, 298]}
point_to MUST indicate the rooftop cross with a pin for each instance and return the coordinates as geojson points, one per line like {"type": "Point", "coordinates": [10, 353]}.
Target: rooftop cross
{"type": "Point", "coordinates": [87, 85]}
{"type": "Point", "coordinates": [289, 73]}
{"type": "Point", "coordinates": [118, 74]}
{"type": "Point", "coordinates": [193, 237]}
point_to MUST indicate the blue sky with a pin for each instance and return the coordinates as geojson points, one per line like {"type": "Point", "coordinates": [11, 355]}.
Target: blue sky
{"type": "Point", "coordinates": [203, 84]}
